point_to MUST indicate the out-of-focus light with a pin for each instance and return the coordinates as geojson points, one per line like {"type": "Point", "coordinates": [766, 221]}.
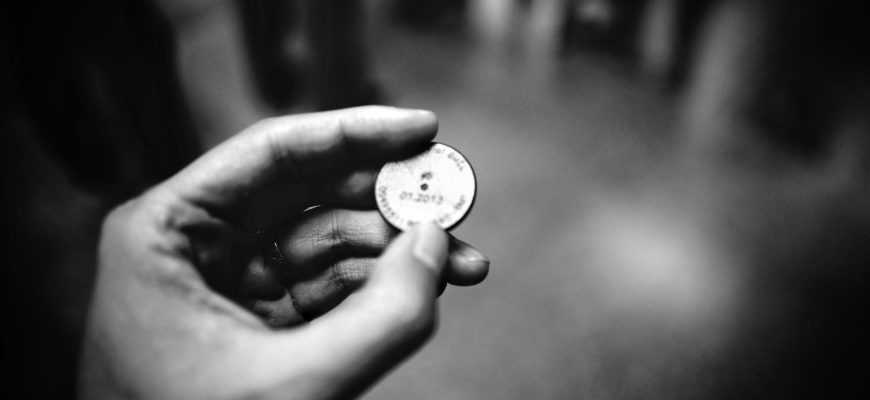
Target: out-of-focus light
{"type": "Point", "coordinates": [597, 12]}
{"type": "Point", "coordinates": [492, 18]}
{"type": "Point", "coordinates": [656, 262]}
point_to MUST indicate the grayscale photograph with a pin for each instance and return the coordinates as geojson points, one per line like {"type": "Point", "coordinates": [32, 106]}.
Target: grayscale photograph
{"type": "Point", "coordinates": [435, 199]}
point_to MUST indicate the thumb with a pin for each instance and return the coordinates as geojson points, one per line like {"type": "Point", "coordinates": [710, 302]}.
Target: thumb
{"type": "Point", "coordinates": [386, 320]}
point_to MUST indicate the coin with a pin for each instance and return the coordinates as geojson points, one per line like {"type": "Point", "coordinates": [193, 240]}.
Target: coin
{"type": "Point", "coordinates": [437, 185]}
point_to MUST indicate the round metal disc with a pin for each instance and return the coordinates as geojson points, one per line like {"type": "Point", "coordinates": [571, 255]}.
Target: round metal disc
{"type": "Point", "coordinates": [437, 185]}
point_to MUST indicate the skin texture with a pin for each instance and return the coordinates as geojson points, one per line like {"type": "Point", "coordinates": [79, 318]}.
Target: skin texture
{"type": "Point", "coordinates": [162, 323]}
{"type": "Point", "coordinates": [327, 254]}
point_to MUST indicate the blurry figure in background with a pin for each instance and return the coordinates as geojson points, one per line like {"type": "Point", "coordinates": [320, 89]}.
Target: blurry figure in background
{"type": "Point", "coordinates": [667, 36]}
{"type": "Point", "coordinates": [279, 49]}
{"type": "Point", "coordinates": [216, 77]}
{"type": "Point", "coordinates": [243, 60]}
{"type": "Point", "coordinates": [783, 75]}
{"type": "Point", "coordinates": [780, 74]}
{"type": "Point", "coordinates": [309, 53]}
{"type": "Point", "coordinates": [657, 36]}
{"type": "Point", "coordinates": [776, 73]}
{"type": "Point", "coordinates": [341, 77]}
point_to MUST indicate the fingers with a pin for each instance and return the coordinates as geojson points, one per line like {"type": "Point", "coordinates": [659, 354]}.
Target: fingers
{"type": "Point", "coordinates": [329, 254]}
{"type": "Point", "coordinates": [325, 236]}
{"type": "Point", "coordinates": [259, 282]}
{"type": "Point", "coordinates": [278, 313]}
{"type": "Point", "coordinates": [466, 266]}
{"type": "Point", "coordinates": [267, 170]}
{"type": "Point", "coordinates": [383, 322]}
{"type": "Point", "coordinates": [263, 294]}
{"type": "Point", "coordinates": [317, 296]}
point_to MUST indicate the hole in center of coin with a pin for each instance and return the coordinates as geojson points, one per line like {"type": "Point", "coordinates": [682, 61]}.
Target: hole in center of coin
{"type": "Point", "coordinates": [424, 186]}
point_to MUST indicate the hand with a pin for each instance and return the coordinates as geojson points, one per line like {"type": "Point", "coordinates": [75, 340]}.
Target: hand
{"type": "Point", "coordinates": [325, 255]}
{"type": "Point", "coordinates": [161, 324]}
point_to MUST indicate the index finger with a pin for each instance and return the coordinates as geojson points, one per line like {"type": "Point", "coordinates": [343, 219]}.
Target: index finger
{"type": "Point", "coordinates": [271, 164]}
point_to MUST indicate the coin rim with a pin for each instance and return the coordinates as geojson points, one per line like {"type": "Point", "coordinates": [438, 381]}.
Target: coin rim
{"type": "Point", "coordinates": [473, 195]}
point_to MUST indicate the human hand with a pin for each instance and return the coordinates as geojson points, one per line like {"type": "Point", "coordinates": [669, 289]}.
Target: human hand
{"type": "Point", "coordinates": [325, 255]}
{"type": "Point", "coordinates": [161, 324]}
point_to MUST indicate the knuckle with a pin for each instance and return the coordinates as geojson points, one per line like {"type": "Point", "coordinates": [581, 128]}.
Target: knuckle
{"type": "Point", "coordinates": [117, 221]}
{"type": "Point", "coordinates": [351, 273]}
{"type": "Point", "coordinates": [335, 228]}
{"type": "Point", "coordinates": [329, 243]}
{"type": "Point", "coordinates": [355, 229]}
{"type": "Point", "coordinates": [336, 235]}
{"type": "Point", "coordinates": [332, 239]}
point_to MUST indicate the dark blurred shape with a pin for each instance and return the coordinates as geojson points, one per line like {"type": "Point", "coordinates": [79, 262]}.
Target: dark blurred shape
{"type": "Point", "coordinates": [667, 38]}
{"type": "Point", "coordinates": [279, 54]}
{"type": "Point", "coordinates": [782, 72]}
{"type": "Point", "coordinates": [341, 76]}
{"type": "Point", "coordinates": [805, 333]}
{"type": "Point", "coordinates": [309, 50]}
{"type": "Point", "coordinates": [430, 14]}
{"type": "Point", "coordinates": [95, 115]}
{"type": "Point", "coordinates": [97, 81]}
{"type": "Point", "coordinates": [601, 25]}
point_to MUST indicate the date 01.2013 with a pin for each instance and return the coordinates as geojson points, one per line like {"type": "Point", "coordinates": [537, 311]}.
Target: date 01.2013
{"type": "Point", "coordinates": [424, 198]}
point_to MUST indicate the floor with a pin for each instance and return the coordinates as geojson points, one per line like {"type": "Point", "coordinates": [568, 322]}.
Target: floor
{"type": "Point", "coordinates": [568, 153]}
{"type": "Point", "coordinates": [624, 263]}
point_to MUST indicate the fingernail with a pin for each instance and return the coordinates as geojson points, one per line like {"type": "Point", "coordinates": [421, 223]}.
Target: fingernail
{"type": "Point", "coordinates": [472, 256]}
{"type": "Point", "coordinates": [430, 245]}
{"type": "Point", "coordinates": [464, 253]}
{"type": "Point", "coordinates": [420, 113]}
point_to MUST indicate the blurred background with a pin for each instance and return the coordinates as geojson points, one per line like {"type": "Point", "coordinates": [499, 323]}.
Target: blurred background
{"type": "Point", "coordinates": [674, 193]}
